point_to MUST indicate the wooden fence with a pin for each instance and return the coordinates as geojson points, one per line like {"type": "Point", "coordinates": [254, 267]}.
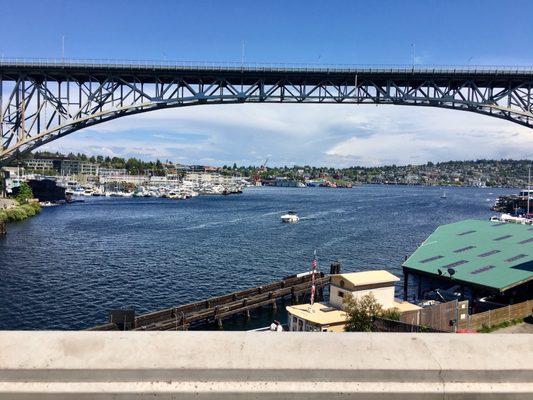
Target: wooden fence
{"type": "Point", "coordinates": [440, 317]}
{"type": "Point", "coordinates": [497, 316]}
{"type": "Point", "coordinates": [389, 325]}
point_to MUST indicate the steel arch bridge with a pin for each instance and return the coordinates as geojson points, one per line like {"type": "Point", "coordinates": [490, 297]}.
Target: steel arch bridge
{"type": "Point", "coordinates": [41, 101]}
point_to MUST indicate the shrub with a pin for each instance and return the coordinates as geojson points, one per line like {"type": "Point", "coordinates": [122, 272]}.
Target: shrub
{"type": "Point", "coordinates": [24, 194]}
{"type": "Point", "coordinates": [29, 210]}
{"type": "Point", "coordinates": [392, 313]}
{"type": "Point", "coordinates": [16, 214]}
{"type": "Point", "coordinates": [3, 215]}
{"type": "Point", "coordinates": [361, 312]}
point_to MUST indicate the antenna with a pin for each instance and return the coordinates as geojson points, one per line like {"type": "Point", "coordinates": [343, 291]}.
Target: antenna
{"type": "Point", "coordinates": [63, 48]}
{"type": "Point", "coordinates": [413, 45]}
{"type": "Point", "coordinates": [242, 53]}
{"type": "Point", "coordinates": [451, 271]}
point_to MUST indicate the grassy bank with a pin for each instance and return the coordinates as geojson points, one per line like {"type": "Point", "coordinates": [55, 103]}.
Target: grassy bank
{"type": "Point", "coordinates": [20, 212]}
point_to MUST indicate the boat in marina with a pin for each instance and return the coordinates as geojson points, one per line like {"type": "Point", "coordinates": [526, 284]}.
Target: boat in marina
{"type": "Point", "coordinates": [290, 217]}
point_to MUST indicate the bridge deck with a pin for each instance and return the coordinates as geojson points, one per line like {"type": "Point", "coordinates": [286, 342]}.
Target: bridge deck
{"type": "Point", "coordinates": [151, 72]}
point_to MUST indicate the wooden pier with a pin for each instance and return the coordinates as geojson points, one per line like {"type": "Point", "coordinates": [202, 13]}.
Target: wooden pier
{"type": "Point", "coordinates": [216, 309]}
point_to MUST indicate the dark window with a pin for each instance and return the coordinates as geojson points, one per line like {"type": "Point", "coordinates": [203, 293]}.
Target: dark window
{"type": "Point", "coordinates": [455, 264]}
{"type": "Point", "coordinates": [526, 241]}
{"type": "Point", "coordinates": [465, 233]}
{"type": "Point", "coordinates": [482, 269]}
{"type": "Point", "coordinates": [517, 257]}
{"type": "Point", "coordinates": [464, 249]}
{"type": "Point", "coordinates": [503, 237]}
{"type": "Point", "coordinates": [489, 253]}
{"type": "Point", "coordinates": [341, 294]}
{"type": "Point", "coordinates": [430, 259]}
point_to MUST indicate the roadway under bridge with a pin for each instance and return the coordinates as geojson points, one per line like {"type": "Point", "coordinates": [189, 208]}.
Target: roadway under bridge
{"type": "Point", "coordinates": [41, 101]}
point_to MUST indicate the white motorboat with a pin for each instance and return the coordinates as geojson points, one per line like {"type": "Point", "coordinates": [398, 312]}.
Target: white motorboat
{"type": "Point", "coordinates": [291, 216]}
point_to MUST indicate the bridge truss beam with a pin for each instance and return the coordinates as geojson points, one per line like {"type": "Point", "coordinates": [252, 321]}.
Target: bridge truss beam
{"type": "Point", "coordinates": [36, 108]}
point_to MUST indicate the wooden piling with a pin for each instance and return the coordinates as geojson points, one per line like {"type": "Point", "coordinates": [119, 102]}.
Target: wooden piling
{"type": "Point", "coordinates": [3, 230]}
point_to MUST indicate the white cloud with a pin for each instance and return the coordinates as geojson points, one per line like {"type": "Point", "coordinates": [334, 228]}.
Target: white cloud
{"type": "Point", "coordinates": [314, 134]}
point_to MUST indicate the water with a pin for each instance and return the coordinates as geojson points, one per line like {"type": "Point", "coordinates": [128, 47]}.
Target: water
{"type": "Point", "coordinates": [65, 268]}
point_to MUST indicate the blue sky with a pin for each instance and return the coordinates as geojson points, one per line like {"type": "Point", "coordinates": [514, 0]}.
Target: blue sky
{"type": "Point", "coordinates": [332, 32]}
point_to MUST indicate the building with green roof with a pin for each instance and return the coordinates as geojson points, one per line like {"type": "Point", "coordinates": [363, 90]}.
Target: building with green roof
{"type": "Point", "coordinates": [481, 257]}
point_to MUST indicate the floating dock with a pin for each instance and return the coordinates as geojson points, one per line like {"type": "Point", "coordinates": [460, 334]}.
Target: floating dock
{"type": "Point", "coordinates": [216, 309]}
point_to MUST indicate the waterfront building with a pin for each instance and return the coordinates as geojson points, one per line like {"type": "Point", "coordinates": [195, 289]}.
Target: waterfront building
{"type": "Point", "coordinates": [482, 261]}
{"type": "Point", "coordinates": [103, 172]}
{"type": "Point", "coordinates": [331, 317]}
{"type": "Point", "coordinates": [43, 165]}
{"type": "Point", "coordinates": [76, 167]}
{"type": "Point", "coordinates": [136, 180]}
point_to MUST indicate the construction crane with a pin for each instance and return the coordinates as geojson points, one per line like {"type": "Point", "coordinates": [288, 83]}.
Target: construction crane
{"type": "Point", "coordinates": [256, 177]}
{"type": "Point", "coordinates": [264, 166]}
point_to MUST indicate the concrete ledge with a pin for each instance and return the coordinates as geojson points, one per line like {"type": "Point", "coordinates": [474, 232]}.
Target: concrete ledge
{"type": "Point", "coordinates": [224, 365]}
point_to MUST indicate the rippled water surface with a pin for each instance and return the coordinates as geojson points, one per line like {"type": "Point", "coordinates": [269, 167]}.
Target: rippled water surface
{"type": "Point", "coordinates": [66, 267]}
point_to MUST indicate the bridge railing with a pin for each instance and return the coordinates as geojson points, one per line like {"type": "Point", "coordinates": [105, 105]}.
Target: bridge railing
{"type": "Point", "coordinates": [255, 66]}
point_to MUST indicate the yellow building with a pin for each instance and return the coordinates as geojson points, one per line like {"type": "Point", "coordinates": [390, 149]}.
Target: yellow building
{"type": "Point", "coordinates": [330, 317]}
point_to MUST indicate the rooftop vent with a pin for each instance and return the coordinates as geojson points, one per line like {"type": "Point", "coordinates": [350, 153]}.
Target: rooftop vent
{"type": "Point", "coordinates": [464, 249]}
{"type": "Point", "coordinates": [430, 259]}
{"type": "Point", "coordinates": [489, 253]}
{"type": "Point", "coordinates": [517, 257]}
{"type": "Point", "coordinates": [455, 264]}
{"type": "Point", "coordinates": [482, 269]}
{"type": "Point", "coordinates": [526, 241]}
{"type": "Point", "coordinates": [465, 233]}
{"type": "Point", "coordinates": [503, 237]}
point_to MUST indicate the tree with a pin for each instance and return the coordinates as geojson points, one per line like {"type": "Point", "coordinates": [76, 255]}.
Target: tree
{"type": "Point", "coordinates": [361, 312]}
{"type": "Point", "coordinates": [25, 193]}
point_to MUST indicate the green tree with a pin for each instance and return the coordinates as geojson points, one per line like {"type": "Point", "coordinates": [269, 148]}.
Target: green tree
{"type": "Point", "coordinates": [25, 193]}
{"type": "Point", "coordinates": [361, 312]}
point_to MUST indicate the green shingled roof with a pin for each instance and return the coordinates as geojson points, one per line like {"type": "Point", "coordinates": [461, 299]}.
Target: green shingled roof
{"type": "Point", "coordinates": [494, 255]}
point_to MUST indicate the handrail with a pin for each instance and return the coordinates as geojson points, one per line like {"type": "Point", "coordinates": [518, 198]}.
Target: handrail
{"type": "Point", "coordinates": [255, 66]}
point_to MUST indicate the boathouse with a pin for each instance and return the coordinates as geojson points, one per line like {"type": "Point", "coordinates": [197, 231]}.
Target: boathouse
{"type": "Point", "coordinates": [482, 261]}
{"type": "Point", "coordinates": [330, 317]}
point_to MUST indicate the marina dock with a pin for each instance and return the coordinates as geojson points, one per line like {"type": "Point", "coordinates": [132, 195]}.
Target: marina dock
{"type": "Point", "coordinates": [216, 309]}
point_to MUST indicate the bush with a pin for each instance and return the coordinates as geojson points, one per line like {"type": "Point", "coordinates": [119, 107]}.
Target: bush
{"type": "Point", "coordinates": [20, 213]}
{"type": "Point", "coordinates": [361, 312]}
{"type": "Point", "coordinates": [392, 313]}
{"type": "Point", "coordinates": [16, 214]}
{"type": "Point", "coordinates": [29, 210]}
{"type": "Point", "coordinates": [24, 194]}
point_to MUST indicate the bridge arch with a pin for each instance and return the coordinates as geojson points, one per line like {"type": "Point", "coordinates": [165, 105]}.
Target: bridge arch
{"type": "Point", "coordinates": [41, 102]}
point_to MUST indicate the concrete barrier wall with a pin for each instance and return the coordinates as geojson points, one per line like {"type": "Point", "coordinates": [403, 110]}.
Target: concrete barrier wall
{"type": "Point", "coordinates": [243, 365]}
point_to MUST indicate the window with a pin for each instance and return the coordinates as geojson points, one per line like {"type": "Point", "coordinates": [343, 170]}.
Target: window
{"type": "Point", "coordinates": [300, 325]}
{"type": "Point", "coordinates": [341, 294]}
{"type": "Point", "coordinates": [341, 283]}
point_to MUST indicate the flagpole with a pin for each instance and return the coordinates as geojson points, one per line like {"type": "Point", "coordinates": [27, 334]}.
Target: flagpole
{"type": "Point", "coordinates": [313, 272]}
